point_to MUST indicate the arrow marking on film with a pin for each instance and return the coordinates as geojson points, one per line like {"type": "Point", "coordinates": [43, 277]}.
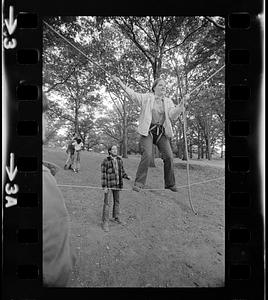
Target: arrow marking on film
{"type": "Point", "coordinates": [11, 24]}
{"type": "Point", "coordinates": [11, 171]}
{"type": "Point", "coordinates": [10, 201]}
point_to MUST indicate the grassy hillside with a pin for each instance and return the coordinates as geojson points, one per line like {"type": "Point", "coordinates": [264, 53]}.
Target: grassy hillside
{"type": "Point", "coordinates": [163, 242]}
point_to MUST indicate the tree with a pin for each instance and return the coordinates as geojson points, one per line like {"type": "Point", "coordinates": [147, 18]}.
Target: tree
{"type": "Point", "coordinates": [69, 80]}
{"type": "Point", "coordinates": [185, 50]}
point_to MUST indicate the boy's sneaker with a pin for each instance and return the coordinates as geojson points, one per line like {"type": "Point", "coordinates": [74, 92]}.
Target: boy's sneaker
{"type": "Point", "coordinates": [105, 226]}
{"type": "Point", "coordinates": [137, 187]}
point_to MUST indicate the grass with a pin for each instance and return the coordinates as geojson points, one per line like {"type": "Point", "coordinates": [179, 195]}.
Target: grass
{"type": "Point", "coordinates": [163, 244]}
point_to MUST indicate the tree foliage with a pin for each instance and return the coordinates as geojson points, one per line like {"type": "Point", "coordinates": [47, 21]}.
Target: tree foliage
{"type": "Point", "coordinates": [183, 50]}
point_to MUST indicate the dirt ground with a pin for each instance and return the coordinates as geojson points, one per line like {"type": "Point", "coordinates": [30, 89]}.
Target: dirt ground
{"type": "Point", "coordinates": [163, 244]}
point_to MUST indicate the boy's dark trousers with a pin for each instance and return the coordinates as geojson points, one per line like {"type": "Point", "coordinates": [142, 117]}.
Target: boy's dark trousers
{"type": "Point", "coordinates": [105, 213]}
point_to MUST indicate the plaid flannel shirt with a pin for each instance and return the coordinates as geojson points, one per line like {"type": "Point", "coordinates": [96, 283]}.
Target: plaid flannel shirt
{"type": "Point", "coordinates": [108, 174]}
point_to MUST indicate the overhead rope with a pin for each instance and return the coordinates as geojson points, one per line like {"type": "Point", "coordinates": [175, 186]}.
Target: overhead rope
{"type": "Point", "coordinates": [96, 64]}
{"type": "Point", "coordinates": [185, 138]}
{"type": "Point", "coordinates": [206, 79]}
{"type": "Point", "coordinates": [73, 46]}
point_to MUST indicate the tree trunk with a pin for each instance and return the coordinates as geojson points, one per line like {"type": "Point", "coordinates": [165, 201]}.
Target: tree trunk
{"type": "Point", "coordinates": [156, 73]}
{"type": "Point", "coordinates": [157, 65]}
{"type": "Point", "coordinates": [121, 147]}
{"type": "Point", "coordinates": [76, 120]}
{"type": "Point", "coordinates": [124, 150]}
{"type": "Point", "coordinates": [208, 148]}
{"type": "Point", "coordinates": [198, 146]}
{"type": "Point", "coordinates": [202, 149]}
{"type": "Point", "coordinates": [191, 150]}
{"type": "Point", "coordinates": [184, 156]}
{"type": "Point", "coordinates": [180, 149]}
{"type": "Point", "coordinates": [124, 154]}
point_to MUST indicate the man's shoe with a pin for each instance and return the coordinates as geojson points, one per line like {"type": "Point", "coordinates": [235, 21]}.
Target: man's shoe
{"type": "Point", "coordinates": [119, 221]}
{"type": "Point", "coordinates": [105, 226]}
{"type": "Point", "coordinates": [172, 188]}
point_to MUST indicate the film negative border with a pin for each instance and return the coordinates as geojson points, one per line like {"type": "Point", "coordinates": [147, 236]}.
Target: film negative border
{"type": "Point", "coordinates": [243, 185]}
{"type": "Point", "coordinates": [22, 238]}
{"type": "Point", "coordinates": [22, 235]}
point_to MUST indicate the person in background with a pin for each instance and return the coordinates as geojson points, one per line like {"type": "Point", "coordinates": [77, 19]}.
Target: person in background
{"type": "Point", "coordinates": [112, 174]}
{"type": "Point", "coordinates": [78, 145]}
{"type": "Point", "coordinates": [154, 127]}
{"type": "Point", "coordinates": [58, 257]}
{"type": "Point", "coordinates": [70, 152]}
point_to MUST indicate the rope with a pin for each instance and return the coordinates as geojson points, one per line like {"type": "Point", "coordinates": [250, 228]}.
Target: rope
{"type": "Point", "coordinates": [96, 64]}
{"type": "Point", "coordinates": [185, 139]}
{"type": "Point", "coordinates": [80, 51]}
{"type": "Point", "coordinates": [100, 188]}
{"type": "Point", "coordinates": [206, 80]}
{"type": "Point", "coordinates": [187, 161]}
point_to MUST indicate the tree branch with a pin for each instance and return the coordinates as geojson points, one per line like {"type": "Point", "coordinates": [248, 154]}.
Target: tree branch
{"type": "Point", "coordinates": [160, 29]}
{"type": "Point", "coordinates": [140, 26]}
{"type": "Point", "coordinates": [187, 36]}
{"type": "Point", "coordinates": [60, 115]}
{"type": "Point", "coordinates": [152, 25]}
{"type": "Point", "coordinates": [215, 23]}
{"type": "Point", "coordinates": [132, 37]}
{"type": "Point", "coordinates": [64, 80]}
{"type": "Point", "coordinates": [132, 78]}
{"type": "Point", "coordinates": [115, 104]}
{"type": "Point", "coordinates": [167, 33]}
{"type": "Point", "coordinates": [110, 134]}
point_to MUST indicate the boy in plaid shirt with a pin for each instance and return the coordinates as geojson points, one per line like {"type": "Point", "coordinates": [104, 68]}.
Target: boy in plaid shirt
{"type": "Point", "coordinates": [112, 174]}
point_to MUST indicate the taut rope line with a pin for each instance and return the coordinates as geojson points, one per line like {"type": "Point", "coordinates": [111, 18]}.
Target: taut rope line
{"type": "Point", "coordinates": [100, 188]}
{"type": "Point", "coordinates": [207, 79]}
